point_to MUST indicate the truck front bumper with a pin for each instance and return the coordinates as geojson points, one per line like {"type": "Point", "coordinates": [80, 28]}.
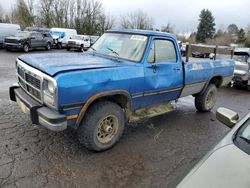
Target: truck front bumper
{"type": "Point", "coordinates": [38, 113]}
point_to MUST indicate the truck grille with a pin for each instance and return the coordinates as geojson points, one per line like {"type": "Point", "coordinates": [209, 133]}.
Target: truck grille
{"type": "Point", "coordinates": [10, 40]}
{"type": "Point", "coordinates": [71, 42]}
{"type": "Point", "coordinates": [30, 82]}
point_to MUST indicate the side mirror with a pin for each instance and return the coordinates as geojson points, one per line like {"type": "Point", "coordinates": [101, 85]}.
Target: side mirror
{"type": "Point", "coordinates": [227, 117]}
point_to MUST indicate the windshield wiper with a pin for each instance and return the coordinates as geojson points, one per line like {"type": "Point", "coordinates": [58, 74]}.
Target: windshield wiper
{"type": "Point", "coordinates": [113, 51]}
{"type": "Point", "coordinates": [246, 139]}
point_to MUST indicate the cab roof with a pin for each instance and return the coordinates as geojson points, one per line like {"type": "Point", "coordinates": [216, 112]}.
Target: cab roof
{"type": "Point", "coordinates": [142, 32]}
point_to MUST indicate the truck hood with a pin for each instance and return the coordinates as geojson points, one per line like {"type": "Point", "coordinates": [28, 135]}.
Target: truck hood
{"type": "Point", "coordinates": [13, 38]}
{"type": "Point", "coordinates": [53, 64]}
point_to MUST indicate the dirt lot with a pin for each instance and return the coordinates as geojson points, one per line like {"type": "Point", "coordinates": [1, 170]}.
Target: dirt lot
{"type": "Point", "coordinates": [155, 153]}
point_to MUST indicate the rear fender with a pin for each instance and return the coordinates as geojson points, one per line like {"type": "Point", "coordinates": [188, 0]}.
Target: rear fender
{"type": "Point", "coordinates": [210, 81]}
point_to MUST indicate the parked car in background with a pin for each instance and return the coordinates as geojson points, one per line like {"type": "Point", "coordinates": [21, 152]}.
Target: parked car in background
{"type": "Point", "coordinates": [27, 40]}
{"type": "Point", "coordinates": [79, 42]}
{"type": "Point", "coordinates": [125, 76]}
{"type": "Point", "coordinates": [242, 67]}
{"type": "Point", "coordinates": [200, 54]}
{"type": "Point", "coordinates": [7, 30]}
{"type": "Point", "coordinates": [93, 39]}
{"type": "Point", "coordinates": [61, 36]}
{"type": "Point", "coordinates": [228, 163]}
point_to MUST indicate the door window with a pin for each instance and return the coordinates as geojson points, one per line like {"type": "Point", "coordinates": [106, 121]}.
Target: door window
{"type": "Point", "coordinates": [162, 51]}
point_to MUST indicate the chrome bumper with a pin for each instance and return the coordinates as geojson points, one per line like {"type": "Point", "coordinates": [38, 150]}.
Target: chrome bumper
{"type": "Point", "coordinates": [39, 114]}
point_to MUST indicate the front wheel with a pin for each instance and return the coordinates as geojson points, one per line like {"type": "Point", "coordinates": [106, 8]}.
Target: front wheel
{"type": "Point", "coordinates": [59, 45]}
{"type": "Point", "coordinates": [102, 126]}
{"type": "Point", "coordinates": [206, 101]}
{"type": "Point", "coordinates": [48, 46]}
{"type": "Point", "coordinates": [26, 48]}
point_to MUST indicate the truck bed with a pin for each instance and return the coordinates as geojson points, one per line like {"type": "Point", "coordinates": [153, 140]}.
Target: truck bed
{"type": "Point", "coordinates": [199, 71]}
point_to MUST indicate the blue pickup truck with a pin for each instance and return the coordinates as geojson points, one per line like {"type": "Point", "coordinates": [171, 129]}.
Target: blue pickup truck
{"type": "Point", "coordinates": [125, 76]}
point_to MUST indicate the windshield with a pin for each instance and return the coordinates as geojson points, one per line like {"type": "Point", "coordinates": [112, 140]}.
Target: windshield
{"type": "Point", "coordinates": [57, 34]}
{"type": "Point", "coordinates": [124, 46]}
{"type": "Point", "coordinates": [246, 133]}
{"type": "Point", "coordinates": [242, 137]}
{"type": "Point", "coordinates": [22, 34]}
{"type": "Point", "coordinates": [242, 58]}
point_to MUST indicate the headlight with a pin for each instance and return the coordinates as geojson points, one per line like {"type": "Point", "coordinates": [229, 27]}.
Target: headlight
{"type": "Point", "coordinates": [51, 87]}
{"type": "Point", "coordinates": [49, 93]}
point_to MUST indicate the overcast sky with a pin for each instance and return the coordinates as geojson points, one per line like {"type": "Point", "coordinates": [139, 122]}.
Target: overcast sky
{"type": "Point", "coordinates": [183, 14]}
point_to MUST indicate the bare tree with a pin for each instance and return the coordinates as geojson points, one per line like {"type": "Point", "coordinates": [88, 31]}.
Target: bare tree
{"type": "Point", "coordinates": [137, 20]}
{"type": "Point", "coordinates": [106, 22]}
{"type": "Point", "coordinates": [169, 28]}
{"type": "Point", "coordinates": [1, 14]}
{"type": "Point", "coordinates": [46, 12]}
{"type": "Point", "coordinates": [86, 16]}
{"type": "Point", "coordinates": [22, 14]}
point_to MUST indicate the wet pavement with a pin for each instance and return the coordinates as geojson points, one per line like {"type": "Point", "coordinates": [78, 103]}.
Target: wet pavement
{"type": "Point", "coordinates": [154, 153]}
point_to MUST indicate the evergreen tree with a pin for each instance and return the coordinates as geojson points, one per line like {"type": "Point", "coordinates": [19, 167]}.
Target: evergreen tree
{"type": "Point", "coordinates": [241, 36]}
{"type": "Point", "coordinates": [206, 27]}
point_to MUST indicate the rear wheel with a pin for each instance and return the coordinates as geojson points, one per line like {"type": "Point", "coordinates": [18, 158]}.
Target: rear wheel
{"type": "Point", "coordinates": [26, 48]}
{"type": "Point", "coordinates": [206, 101]}
{"type": "Point", "coordinates": [102, 126]}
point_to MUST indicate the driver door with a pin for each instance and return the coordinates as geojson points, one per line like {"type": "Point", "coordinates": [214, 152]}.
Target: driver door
{"type": "Point", "coordinates": [163, 72]}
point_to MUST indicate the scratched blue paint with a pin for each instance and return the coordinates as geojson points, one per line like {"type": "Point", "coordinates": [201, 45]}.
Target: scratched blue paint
{"type": "Point", "coordinates": [204, 70]}
{"type": "Point", "coordinates": [82, 75]}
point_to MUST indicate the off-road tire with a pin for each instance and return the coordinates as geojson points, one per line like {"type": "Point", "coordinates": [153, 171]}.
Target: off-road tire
{"type": "Point", "coordinates": [26, 48]}
{"type": "Point", "coordinates": [48, 46]}
{"type": "Point", "coordinates": [206, 101]}
{"type": "Point", "coordinates": [88, 130]}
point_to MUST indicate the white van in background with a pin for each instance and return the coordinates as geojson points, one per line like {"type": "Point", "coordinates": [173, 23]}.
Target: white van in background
{"type": "Point", "coordinates": [61, 36]}
{"type": "Point", "coordinates": [7, 30]}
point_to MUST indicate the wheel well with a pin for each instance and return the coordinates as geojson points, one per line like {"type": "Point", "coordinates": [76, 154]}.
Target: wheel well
{"type": "Point", "coordinates": [217, 81]}
{"type": "Point", "coordinates": [119, 99]}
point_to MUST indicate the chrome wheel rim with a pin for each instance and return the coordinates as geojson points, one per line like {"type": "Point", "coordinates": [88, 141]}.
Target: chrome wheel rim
{"type": "Point", "coordinates": [210, 100]}
{"type": "Point", "coordinates": [107, 129]}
